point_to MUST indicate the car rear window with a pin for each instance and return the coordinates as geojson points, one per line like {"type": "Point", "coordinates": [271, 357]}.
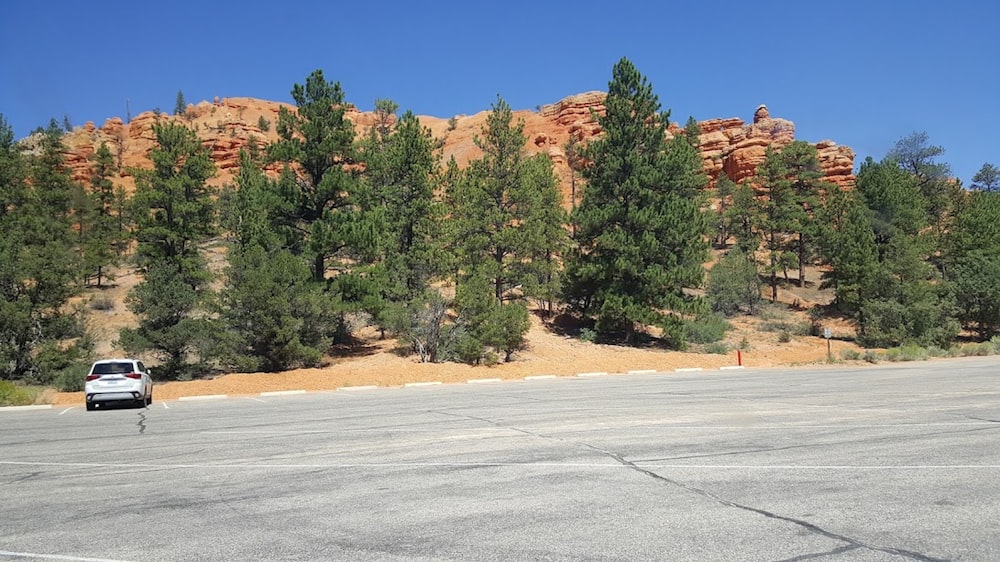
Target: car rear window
{"type": "Point", "coordinates": [112, 368]}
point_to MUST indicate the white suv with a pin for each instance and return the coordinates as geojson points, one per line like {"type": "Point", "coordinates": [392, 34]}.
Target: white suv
{"type": "Point", "coordinates": [118, 380]}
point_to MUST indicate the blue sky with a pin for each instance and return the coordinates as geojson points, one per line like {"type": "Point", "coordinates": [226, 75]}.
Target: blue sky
{"type": "Point", "coordinates": [862, 73]}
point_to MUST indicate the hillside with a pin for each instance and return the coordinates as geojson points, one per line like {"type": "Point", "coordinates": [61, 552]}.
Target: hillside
{"type": "Point", "coordinates": [728, 145]}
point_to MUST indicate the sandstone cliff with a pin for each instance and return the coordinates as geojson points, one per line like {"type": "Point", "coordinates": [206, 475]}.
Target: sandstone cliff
{"type": "Point", "coordinates": [728, 146]}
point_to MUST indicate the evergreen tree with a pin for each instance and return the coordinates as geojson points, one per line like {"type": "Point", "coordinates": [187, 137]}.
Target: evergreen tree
{"type": "Point", "coordinates": [180, 106]}
{"type": "Point", "coordinates": [907, 302]}
{"type": "Point", "coordinates": [400, 177]}
{"type": "Point", "coordinates": [972, 260]}
{"type": "Point", "coordinates": [506, 223]}
{"type": "Point", "coordinates": [101, 236]}
{"type": "Point", "coordinates": [725, 189]}
{"type": "Point", "coordinates": [915, 156]}
{"type": "Point", "coordinates": [734, 284]}
{"type": "Point", "coordinates": [849, 247]}
{"type": "Point", "coordinates": [39, 271]}
{"type": "Point", "coordinates": [173, 212]}
{"type": "Point", "coordinates": [316, 144]}
{"type": "Point", "coordinates": [273, 318]}
{"type": "Point", "coordinates": [743, 221]}
{"type": "Point", "coordinates": [500, 206]}
{"type": "Point", "coordinates": [791, 184]}
{"type": "Point", "coordinates": [987, 178]}
{"type": "Point", "coordinates": [640, 227]}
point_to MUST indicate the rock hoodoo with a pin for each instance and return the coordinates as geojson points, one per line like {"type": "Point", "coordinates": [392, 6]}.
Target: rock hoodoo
{"type": "Point", "coordinates": [226, 125]}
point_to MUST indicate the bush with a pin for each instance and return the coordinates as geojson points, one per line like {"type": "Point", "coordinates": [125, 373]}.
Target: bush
{"type": "Point", "coordinates": [716, 348]}
{"type": "Point", "coordinates": [850, 354]}
{"type": "Point", "coordinates": [14, 395]}
{"type": "Point", "coordinates": [784, 337]}
{"type": "Point", "coordinates": [588, 335]}
{"type": "Point", "coordinates": [706, 328]}
{"type": "Point", "coordinates": [907, 352]}
{"type": "Point", "coordinates": [870, 356]}
{"type": "Point", "coordinates": [102, 303]}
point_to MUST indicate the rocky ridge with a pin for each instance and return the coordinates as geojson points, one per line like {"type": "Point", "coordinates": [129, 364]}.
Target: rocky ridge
{"type": "Point", "coordinates": [730, 146]}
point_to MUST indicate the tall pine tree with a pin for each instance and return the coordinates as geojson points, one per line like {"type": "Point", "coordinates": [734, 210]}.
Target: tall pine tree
{"type": "Point", "coordinates": [640, 228]}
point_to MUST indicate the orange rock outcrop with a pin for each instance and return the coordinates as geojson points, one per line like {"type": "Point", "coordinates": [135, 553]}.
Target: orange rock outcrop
{"type": "Point", "coordinates": [225, 126]}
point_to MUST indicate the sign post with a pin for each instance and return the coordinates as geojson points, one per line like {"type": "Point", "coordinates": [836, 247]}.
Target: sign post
{"type": "Point", "coordinates": [828, 333]}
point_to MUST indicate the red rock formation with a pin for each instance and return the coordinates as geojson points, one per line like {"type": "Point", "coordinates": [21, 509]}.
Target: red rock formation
{"type": "Point", "coordinates": [225, 126]}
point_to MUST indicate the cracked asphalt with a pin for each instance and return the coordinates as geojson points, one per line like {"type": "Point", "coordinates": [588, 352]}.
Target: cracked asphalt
{"type": "Point", "coordinates": [897, 462]}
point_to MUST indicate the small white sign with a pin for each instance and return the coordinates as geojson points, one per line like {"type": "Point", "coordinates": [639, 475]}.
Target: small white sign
{"type": "Point", "coordinates": [827, 333]}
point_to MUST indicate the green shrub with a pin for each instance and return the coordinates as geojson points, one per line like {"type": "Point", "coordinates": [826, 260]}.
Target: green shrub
{"type": "Point", "coordinates": [784, 337]}
{"type": "Point", "coordinates": [850, 354]}
{"type": "Point", "coordinates": [588, 335]}
{"type": "Point", "coordinates": [976, 349]}
{"type": "Point", "coordinates": [907, 352]}
{"type": "Point", "coordinates": [706, 328]}
{"type": "Point", "coordinates": [15, 395]}
{"type": "Point", "coordinates": [716, 348]}
{"type": "Point", "coordinates": [870, 356]}
{"type": "Point", "coordinates": [70, 380]}
{"type": "Point", "coordinates": [102, 303]}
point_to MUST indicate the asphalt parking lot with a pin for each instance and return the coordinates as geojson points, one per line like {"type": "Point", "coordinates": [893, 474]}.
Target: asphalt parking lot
{"type": "Point", "coordinates": [894, 462]}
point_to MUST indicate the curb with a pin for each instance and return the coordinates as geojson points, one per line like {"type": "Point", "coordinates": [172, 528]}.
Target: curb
{"type": "Point", "coordinates": [429, 383]}
{"type": "Point", "coordinates": [205, 397]}
{"type": "Point", "coordinates": [539, 377]}
{"type": "Point", "coordinates": [479, 381]}
{"type": "Point", "coordinates": [26, 408]}
{"type": "Point", "coordinates": [734, 367]}
{"type": "Point", "coordinates": [643, 372]}
{"type": "Point", "coordinates": [601, 374]}
{"type": "Point", "coordinates": [356, 388]}
{"type": "Point", "coordinates": [282, 392]}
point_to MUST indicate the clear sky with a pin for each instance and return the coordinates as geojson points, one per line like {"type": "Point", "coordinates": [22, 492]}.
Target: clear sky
{"type": "Point", "coordinates": [863, 73]}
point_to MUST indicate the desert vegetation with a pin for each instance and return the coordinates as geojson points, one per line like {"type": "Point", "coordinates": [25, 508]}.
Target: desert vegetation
{"type": "Point", "coordinates": [330, 229]}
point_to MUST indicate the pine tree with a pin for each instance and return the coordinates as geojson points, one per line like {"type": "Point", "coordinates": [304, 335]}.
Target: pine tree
{"type": "Point", "coordinates": [316, 144]}
{"type": "Point", "coordinates": [848, 243]}
{"type": "Point", "coordinates": [506, 220]}
{"type": "Point", "coordinates": [180, 106]}
{"type": "Point", "coordinates": [790, 180]}
{"type": "Point", "coordinates": [39, 270]}
{"type": "Point", "coordinates": [641, 229]}
{"type": "Point", "coordinates": [273, 318]}
{"type": "Point", "coordinates": [99, 227]}
{"type": "Point", "coordinates": [174, 212]}
{"type": "Point", "coordinates": [972, 262]}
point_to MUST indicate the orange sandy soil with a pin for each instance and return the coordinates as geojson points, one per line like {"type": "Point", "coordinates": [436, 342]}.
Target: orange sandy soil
{"type": "Point", "coordinates": [548, 353]}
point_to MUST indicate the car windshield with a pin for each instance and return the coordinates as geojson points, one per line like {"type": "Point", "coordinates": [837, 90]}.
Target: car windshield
{"type": "Point", "coordinates": [116, 368]}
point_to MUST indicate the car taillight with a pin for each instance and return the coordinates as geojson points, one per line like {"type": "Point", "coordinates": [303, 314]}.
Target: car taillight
{"type": "Point", "coordinates": [134, 375]}
{"type": "Point", "coordinates": [93, 377]}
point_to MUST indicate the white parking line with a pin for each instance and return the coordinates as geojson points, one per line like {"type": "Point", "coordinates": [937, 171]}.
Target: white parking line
{"type": "Point", "coordinates": [55, 557]}
{"type": "Point", "coordinates": [596, 465]}
{"type": "Point", "coordinates": [66, 410]}
{"type": "Point", "coordinates": [165, 405]}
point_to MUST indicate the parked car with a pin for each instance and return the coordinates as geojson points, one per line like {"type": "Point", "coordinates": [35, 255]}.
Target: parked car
{"type": "Point", "coordinates": [118, 381]}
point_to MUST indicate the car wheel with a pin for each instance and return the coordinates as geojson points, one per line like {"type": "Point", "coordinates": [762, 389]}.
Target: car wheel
{"type": "Point", "coordinates": [149, 398]}
{"type": "Point", "coordinates": [91, 406]}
